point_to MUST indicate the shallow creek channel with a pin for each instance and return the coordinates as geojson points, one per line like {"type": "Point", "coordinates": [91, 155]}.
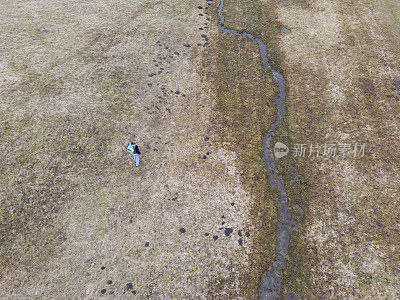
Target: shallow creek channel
{"type": "Point", "coordinates": [272, 281]}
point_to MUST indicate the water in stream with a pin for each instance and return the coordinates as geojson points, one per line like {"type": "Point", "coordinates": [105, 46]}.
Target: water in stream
{"type": "Point", "coordinates": [272, 281]}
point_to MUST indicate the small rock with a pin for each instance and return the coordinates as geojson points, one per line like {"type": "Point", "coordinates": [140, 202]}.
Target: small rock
{"type": "Point", "coordinates": [182, 230]}
{"type": "Point", "coordinates": [228, 231]}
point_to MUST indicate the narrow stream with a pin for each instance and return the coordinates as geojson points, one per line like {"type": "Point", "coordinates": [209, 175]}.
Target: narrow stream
{"type": "Point", "coordinates": [272, 281]}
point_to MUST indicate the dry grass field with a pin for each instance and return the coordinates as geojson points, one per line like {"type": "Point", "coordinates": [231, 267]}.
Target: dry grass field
{"type": "Point", "coordinates": [80, 79]}
{"type": "Point", "coordinates": [341, 60]}
{"type": "Point", "coordinates": [78, 221]}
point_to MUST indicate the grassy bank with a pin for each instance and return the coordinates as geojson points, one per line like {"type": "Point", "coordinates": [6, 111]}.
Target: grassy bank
{"type": "Point", "coordinates": [243, 112]}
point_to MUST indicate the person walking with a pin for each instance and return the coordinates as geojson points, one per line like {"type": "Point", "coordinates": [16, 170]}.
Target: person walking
{"type": "Point", "coordinates": [134, 150]}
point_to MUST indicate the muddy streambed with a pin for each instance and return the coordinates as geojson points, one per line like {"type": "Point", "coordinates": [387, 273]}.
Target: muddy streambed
{"type": "Point", "coordinates": [272, 281]}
